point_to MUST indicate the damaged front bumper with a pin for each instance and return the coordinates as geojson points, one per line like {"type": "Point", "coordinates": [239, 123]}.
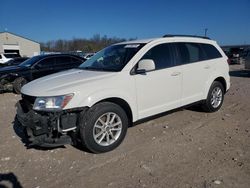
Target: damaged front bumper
{"type": "Point", "coordinates": [49, 129]}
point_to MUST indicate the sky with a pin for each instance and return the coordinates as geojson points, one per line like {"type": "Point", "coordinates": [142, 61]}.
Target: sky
{"type": "Point", "coordinates": [227, 21]}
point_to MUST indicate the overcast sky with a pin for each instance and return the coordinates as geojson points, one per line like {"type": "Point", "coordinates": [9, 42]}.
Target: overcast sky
{"type": "Point", "coordinates": [227, 21]}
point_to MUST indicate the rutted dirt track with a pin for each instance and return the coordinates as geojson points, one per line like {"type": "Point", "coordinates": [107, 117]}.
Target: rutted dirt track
{"type": "Point", "coordinates": [185, 148]}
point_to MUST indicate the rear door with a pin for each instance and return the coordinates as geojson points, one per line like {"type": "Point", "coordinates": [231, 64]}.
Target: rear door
{"type": "Point", "coordinates": [159, 90]}
{"type": "Point", "coordinates": [195, 71]}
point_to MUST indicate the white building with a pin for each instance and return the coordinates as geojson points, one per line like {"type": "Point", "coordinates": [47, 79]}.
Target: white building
{"type": "Point", "coordinates": [10, 42]}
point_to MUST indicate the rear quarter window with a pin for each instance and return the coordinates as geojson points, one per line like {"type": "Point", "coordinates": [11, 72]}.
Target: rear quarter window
{"type": "Point", "coordinates": [210, 51]}
{"type": "Point", "coordinates": [76, 60]}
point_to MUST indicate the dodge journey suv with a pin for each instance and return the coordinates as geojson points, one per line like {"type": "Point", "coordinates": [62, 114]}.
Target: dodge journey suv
{"type": "Point", "coordinates": [95, 103]}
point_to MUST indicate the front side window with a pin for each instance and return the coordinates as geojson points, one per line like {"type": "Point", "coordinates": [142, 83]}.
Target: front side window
{"type": "Point", "coordinates": [46, 63]}
{"type": "Point", "coordinates": [161, 55]}
{"type": "Point", "coordinates": [31, 61]}
{"type": "Point", "coordinates": [112, 58]}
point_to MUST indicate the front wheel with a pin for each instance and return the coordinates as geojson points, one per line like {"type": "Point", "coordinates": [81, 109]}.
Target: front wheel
{"type": "Point", "coordinates": [104, 127]}
{"type": "Point", "coordinates": [215, 97]}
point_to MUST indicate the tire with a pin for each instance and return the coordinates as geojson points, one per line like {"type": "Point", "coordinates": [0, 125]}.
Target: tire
{"type": "Point", "coordinates": [215, 97]}
{"type": "Point", "coordinates": [100, 129]}
{"type": "Point", "coordinates": [18, 84]}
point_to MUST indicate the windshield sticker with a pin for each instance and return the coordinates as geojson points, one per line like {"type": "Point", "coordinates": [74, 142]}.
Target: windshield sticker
{"type": "Point", "coordinates": [132, 46]}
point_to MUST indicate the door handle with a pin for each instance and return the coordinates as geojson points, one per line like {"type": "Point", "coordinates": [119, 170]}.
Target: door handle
{"type": "Point", "coordinates": [175, 73]}
{"type": "Point", "coordinates": [207, 67]}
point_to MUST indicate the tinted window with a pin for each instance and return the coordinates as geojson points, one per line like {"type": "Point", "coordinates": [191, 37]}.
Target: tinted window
{"type": "Point", "coordinates": [48, 62]}
{"type": "Point", "coordinates": [210, 51]}
{"type": "Point", "coordinates": [76, 61]}
{"type": "Point", "coordinates": [31, 61]}
{"type": "Point", "coordinates": [63, 60]}
{"type": "Point", "coordinates": [190, 52]}
{"type": "Point", "coordinates": [161, 55]}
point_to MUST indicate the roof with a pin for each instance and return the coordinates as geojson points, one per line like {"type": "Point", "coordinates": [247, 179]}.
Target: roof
{"type": "Point", "coordinates": [19, 36]}
{"type": "Point", "coordinates": [175, 37]}
{"type": "Point", "coordinates": [58, 54]}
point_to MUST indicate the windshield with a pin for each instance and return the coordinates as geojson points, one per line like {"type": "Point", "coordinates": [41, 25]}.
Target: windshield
{"type": "Point", "coordinates": [112, 58]}
{"type": "Point", "coordinates": [30, 62]}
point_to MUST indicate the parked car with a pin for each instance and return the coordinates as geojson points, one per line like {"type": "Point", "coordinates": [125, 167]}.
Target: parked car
{"type": "Point", "coordinates": [15, 61]}
{"type": "Point", "coordinates": [247, 60]}
{"type": "Point", "coordinates": [14, 77]}
{"type": "Point", "coordinates": [5, 57]}
{"type": "Point", "coordinates": [122, 84]}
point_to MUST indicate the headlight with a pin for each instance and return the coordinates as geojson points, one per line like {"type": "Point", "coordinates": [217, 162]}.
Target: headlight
{"type": "Point", "coordinates": [52, 103]}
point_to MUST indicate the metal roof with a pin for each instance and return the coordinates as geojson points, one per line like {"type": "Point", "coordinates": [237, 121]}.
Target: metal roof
{"type": "Point", "coordinates": [19, 36]}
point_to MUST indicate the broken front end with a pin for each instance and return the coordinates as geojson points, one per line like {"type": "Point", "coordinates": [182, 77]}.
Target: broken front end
{"type": "Point", "coordinates": [48, 128]}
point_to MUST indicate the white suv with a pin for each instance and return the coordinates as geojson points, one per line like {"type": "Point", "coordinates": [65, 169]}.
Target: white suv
{"type": "Point", "coordinates": [122, 84]}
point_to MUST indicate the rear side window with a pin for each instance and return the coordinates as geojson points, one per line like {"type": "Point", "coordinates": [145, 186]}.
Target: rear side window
{"type": "Point", "coordinates": [210, 51]}
{"type": "Point", "coordinates": [63, 60]}
{"type": "Point", "coordinates": [161, 55]}
{"type": "Point", "coordinates": [189, 52]}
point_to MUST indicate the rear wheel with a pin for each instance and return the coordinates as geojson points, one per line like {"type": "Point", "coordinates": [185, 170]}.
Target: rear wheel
{"type": "Point", "coordinates": [104, 127]}
{"type": "Point", "coordinates": [18, 84]}
{"type": "Point", "coordinates": [215, 97]}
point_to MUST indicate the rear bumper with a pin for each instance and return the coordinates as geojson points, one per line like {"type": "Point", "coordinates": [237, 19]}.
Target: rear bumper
{"type": "Point", "coordinates": [49, 129]}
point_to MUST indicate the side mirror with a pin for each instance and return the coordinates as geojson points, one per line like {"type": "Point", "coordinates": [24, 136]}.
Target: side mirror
{"type": "Point", "coordinates": [145, 65]}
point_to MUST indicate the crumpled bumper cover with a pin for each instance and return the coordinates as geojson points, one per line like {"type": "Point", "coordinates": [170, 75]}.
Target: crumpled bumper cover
{"type": "Point", "coordinates": [42, 129]}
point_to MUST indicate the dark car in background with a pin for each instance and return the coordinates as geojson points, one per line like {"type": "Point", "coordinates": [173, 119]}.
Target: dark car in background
{"type": "Point", "coordinates": [12, 78]}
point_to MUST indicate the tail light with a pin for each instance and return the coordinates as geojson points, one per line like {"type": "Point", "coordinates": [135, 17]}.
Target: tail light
{"type": "Point", "coordinates": [228, 61]}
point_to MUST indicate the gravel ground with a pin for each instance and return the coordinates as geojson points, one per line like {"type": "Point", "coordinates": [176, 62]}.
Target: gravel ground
{"type": "Point", "coordinates": [184, 148]}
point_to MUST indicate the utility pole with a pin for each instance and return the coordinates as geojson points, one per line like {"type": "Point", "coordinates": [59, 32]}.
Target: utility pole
{"type": "Point", "coordinates": [206, 32]}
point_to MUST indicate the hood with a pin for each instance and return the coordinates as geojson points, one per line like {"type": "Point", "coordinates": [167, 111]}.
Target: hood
{"type": "Point", "coordinates": [64, 82]}
{"type": "Point", "coordinates": [10, 69]}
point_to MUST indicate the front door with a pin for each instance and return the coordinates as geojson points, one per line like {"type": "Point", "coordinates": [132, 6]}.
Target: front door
{"type": "Point", "coordinates": [159, 90]}
{"type": "Point", "coordinates": [43, 68]}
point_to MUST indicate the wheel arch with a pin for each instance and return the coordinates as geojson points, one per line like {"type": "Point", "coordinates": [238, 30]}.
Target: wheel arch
{"type": "Point", "coordinates": [122, 103]}
{"type": "Point", "coordinates": [213, 78]}
{"type": "Point", "coordinates": [222, 81]}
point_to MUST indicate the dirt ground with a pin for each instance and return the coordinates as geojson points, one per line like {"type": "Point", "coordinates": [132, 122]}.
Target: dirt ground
{"type": "Point", "coordinates": [185, 148]}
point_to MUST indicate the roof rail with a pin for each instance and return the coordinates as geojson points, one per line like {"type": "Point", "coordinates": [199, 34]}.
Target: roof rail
{"type": "Point", "coordinates": [196, 36]}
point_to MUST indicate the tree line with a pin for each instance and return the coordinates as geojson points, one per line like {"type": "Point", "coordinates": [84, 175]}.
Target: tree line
{"type": "Point", "coordinates": [93, 44]}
